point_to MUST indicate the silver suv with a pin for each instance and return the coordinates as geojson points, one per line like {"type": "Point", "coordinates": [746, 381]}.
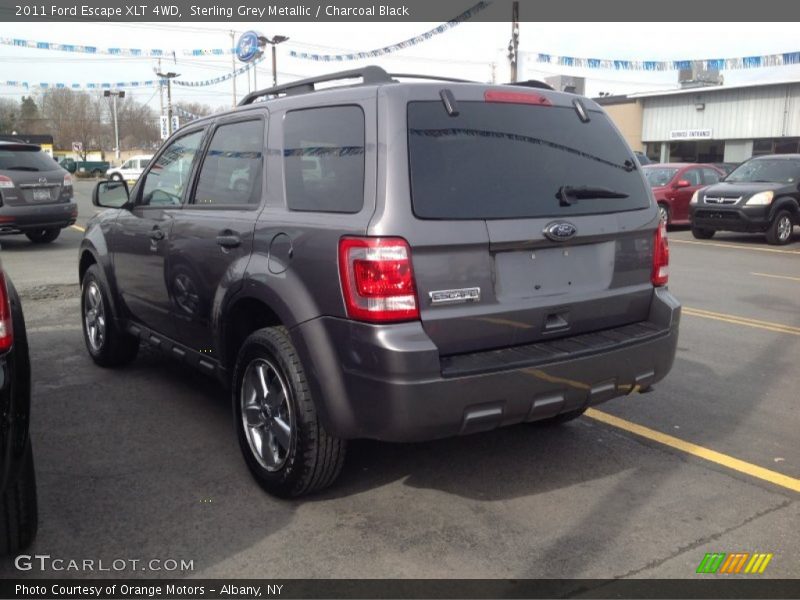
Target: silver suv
{"type": "Point", "coordinates": [390, 260]}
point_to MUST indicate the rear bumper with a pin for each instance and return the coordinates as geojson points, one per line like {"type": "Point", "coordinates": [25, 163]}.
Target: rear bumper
{"type": "Point", "coordinates": [389, 382]}
{"type": "Point", "coordinates": [752, 219]}
{"type": "Point", "coordinates": [18, 219]}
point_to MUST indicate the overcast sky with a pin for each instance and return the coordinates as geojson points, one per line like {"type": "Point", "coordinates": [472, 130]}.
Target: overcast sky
{"type": "Point", "coordinates": [466, 51]}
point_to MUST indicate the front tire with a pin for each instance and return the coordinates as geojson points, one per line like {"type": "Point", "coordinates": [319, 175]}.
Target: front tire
{"type": "Point", "coordinates": [43, 236]}
{"type": "Point", "coordinates": [780, 230]}
{"type": "Point", "coordinates": [703, 234]}
{"type": "Point", "coordinates": [107, 344]}
{"type": "Point", "coordinates": [19, 517]}
{"type": "Point", "coordinates": [284, 444]}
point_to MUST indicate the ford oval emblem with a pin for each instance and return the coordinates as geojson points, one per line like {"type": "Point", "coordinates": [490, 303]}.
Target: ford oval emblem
{"type": "Point", "coordinates": [247, 46]}
{"type": "Point", "coordinates": [560, 231]}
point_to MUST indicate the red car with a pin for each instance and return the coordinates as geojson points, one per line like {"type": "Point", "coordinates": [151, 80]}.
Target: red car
{"type": "Point", "coordinates": [673, 185]}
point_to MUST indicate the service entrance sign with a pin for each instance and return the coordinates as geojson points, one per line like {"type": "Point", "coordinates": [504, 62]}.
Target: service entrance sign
{"type": "Point", "coordinates": [690, 134]}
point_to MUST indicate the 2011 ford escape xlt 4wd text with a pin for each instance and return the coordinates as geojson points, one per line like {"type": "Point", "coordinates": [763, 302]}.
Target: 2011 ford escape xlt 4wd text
{"type": "Point", "coordinates": [392, 260]}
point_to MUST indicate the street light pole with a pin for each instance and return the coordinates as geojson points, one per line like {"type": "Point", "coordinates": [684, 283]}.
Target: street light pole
{"type": "Point", "coordinates": [114, 95]}
{"type": "Point", "coordinates": [169, 77]}
{"type": "Point", "coordinates": [233, 66]}
{"type": "Point", "coordinates": [276, 39]}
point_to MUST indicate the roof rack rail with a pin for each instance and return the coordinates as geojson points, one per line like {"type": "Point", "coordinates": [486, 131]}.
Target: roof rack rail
{"type": "Point", "coordinates": [431, 77]}
{"type": "Point", "coordinates": [369, 75]}
{"type": "Point", "coordinates": [533, 83]}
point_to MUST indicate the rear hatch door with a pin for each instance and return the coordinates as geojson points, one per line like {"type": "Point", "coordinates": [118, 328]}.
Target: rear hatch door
{"type": "Point", "coordinates": [30, 176]}
{"type": "Point", "coordinates": [545, 222]}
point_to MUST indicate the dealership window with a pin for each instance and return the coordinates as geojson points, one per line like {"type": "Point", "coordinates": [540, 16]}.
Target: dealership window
{"type": "Point", "coordinates": [776, 146]}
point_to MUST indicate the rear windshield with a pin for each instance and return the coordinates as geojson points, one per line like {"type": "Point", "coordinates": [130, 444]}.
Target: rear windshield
{"type": "Point", "coordinates": [26, 160]}
{"type": "Point", "coordinates": [777, 170]}
{"type": "Point", "coordinates": [505, 161]}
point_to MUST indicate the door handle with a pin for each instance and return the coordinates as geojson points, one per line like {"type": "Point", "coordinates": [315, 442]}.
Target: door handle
{"type": "Point", "coordinates": [229, 240]}
{"type": "Point", "coordinates": [156, 235]}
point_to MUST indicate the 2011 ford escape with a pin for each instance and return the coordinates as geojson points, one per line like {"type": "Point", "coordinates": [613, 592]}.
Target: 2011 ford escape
{"type": "Point", "coordinates": [390, 260]}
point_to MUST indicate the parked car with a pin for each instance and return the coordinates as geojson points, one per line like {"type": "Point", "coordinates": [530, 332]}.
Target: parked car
{"type": "Point", "coordinates": [17, 477]}
{"type": "Point", "coordinates": [421, 278]}
{"type": "Point", "coordinates": [726, 167]}
{"type": "Point", "coordinates": [761, 195]}
{"type": "Point", "coordinates": [673, 185]}
{"type": "Point", "coordinates": [130, 169]}
{"type": "Point", "coordinates": [96, 168]}
{"type": "Point", "coordinates": [35, 193]}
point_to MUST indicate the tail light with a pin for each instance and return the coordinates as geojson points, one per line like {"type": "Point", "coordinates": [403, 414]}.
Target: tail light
{"type": "Point", "coordinates": [6, 182]}
{"type": "Point", "coordinates": [516, 98]}
{"type": "Point", "coordinates": [6, 333]}
{"type": "Point", "coordinates": [377, 279]}
{"type": "Point", "coordinates": [68, 180]}
{"type": "Point", "coordinates": [660, 274]}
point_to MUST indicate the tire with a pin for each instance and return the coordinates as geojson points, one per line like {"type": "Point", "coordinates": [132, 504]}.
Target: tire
{"type": "Point", "coordinates": [108, 345]}
{"type": "Point", "coordinates": [663, 213]}
{"type": "Point", "coordinates": [565, 417]}
{"type": "Point", "coordinates": [297, 455]}
{"type": "Point", "coordinates": [116, 177]}
{"type": "Point", "coordinates": [702, 233]}
{"type": "Point", "coordinates": [779, 232]}
{"type": "Point", "coordinates": [19, 509]}
{"type": "Point", "coordinates": [97, 173]}
{"type": "Point", "coordinates": [43, 236]}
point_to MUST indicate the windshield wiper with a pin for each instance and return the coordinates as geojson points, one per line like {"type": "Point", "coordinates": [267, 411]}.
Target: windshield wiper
{"type": "Point", "coordinates": [567, 193]}
{"type": "Point", "coordinates": [22, 169]}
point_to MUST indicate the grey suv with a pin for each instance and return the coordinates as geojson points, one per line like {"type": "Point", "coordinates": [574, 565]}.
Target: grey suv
{"type": "Point", "coordinates": [35, 193]}
{"type": "Point", "coordinates": [390, 260]}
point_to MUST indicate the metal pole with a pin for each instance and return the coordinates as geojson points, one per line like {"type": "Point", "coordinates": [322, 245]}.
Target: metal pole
{"type": "Point", "coordinates": [116, 127]}
{"type": "Point", "coordinates": [255, 72]}
{"type": "Point", "coordinates": [233, 67]}
{"type": "Point", "coordinates": [169, 105]}
{"type": "Point", "coordinates": [274, 67]}
{"type": "Point", "coordinates": [514, 40]}
{"type": "Point", "coordinates": [160, 92]}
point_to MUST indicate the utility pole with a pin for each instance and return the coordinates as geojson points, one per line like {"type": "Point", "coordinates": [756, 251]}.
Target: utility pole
{"type": "Point", "coordinates": [114, 95]}
{"type": "Point", "coordinates": [169, 77]}
{"type": "Point", "coordinates": [160, 92]}
{"type": "Point", "coordinates": [513, 45]}
{"type": "Point", "coordinates": [233, 65]}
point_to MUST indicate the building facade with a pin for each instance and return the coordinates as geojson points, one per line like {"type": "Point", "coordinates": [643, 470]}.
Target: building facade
{"type": "Point", "coordinates": [721, 123]}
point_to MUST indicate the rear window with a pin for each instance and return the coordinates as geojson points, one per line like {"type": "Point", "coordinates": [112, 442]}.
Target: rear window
{"type": "Point", "coordinates": [26, 160]}
{"type": "Point", "coordinates": [506, 161]}
{"type": "Point", "coordinates": [323, 159]}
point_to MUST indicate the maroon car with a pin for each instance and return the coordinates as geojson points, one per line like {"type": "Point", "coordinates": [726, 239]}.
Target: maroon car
{"type": "Point", "coordinates": [673, 185]}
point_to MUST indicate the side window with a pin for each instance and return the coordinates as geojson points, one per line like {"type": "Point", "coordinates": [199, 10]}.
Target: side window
{"type": "Point", "coordinates": [127, 164]}
{"type": "Point", "coordinates": [710, 176]}
{"type": "Point", "coordinates": [232, 168]}
{"type": "Point", "coordinates": [323, 159]}
{"type": "Point", "coordinates": [692, 176]}
{"type": "Point", "coordinates": [165, 182]}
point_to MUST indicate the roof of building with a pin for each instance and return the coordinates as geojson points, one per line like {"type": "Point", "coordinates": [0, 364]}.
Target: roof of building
{"type": "Point", "coordinates": [704, 89]}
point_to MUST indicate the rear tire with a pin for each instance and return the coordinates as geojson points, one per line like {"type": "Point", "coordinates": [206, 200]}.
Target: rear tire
{"type": "Point", "coordinates": [297, 455]}
{"type": "Point", "coordinates": [116, 177]}
{"type": "Point", "coordinates": [107, 344]}
{"type": "Point", "coordinates": [97, 173]}
{"type": "Point", "coordinates": [703, 234]}
{"type": "Point", "coordinates": [18, 509]}
{"type": "Point", "coordinates": [565, 417]}
{"type": "Point", "coordinates": [780, 230]}
{"type": "Point", "coordinates": [663, 213]}
{"type": "Point", "coordinates": [43, 236]}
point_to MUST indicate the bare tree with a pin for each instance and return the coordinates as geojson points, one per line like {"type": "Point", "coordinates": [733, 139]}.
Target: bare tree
{"type": "Point", "coordinates": [74, 116]}
{"type": "Point", "coordinates": [9, 112]}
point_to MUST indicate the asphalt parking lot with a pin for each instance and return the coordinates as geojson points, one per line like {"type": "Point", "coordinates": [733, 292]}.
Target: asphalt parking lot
{"type": "Point", "coordinates": [142, 462]}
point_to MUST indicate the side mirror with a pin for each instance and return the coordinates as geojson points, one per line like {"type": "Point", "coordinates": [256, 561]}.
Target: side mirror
{"type": "Point", "coordinates": [682, 183]}
{"type": "Point", "coordinates": [111, 194]}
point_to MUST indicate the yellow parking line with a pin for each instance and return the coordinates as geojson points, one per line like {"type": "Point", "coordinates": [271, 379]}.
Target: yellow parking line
{"type": "Point", "coordinates": [776, 276]}
{"type": "Point", "coordinates": [739, 246]}
{"type": "Point", "coordinates": [747, 322]}
{"type": "Point", "coordinates": [725, 460]}
{"type": "Point", "coordinates": [78, 227]}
